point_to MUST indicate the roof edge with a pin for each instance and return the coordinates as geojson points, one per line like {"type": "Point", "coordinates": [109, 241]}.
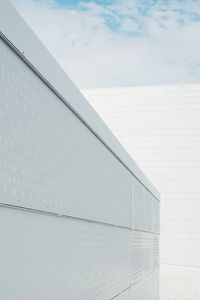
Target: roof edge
{"type": "Point", "coordinates": [23, 40]}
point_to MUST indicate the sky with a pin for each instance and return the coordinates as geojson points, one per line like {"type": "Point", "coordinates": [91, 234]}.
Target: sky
{"type": "Point", "coordinates": [112, 43]}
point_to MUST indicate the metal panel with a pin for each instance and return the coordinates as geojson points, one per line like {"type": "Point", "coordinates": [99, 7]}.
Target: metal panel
{"type": "Point", "coordinates": [137, 205]}
{"type": "Point", "coordinates": [136, 256]}
{"type": "Point", "coordinates": [49, 159]}
{"type": "Point", "coordinates": [49, 257]}
{"type": "Point", "coordinates": [151, 213]}
{"type": "Point", "coordinates": [68, 204]}
{"type": "Point", "coordinates": [123, 296]}
{"type": "Point", "coordinates": [146, 289]}
{"type": "Point", "coordinates": [144, 255]}
{"type": "Point", "coordinates": [144, 244]}
{"type": "Point", "coordinates": [160, 127]}
{"type": "Point", "coordinates": [31, 49]}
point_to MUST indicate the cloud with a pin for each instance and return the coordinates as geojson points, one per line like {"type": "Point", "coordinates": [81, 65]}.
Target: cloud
{"type": "Point", "coordinates": [120, 43]}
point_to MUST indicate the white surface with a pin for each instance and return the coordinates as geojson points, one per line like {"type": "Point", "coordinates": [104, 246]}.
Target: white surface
{"type": "Point", "coordinates": [123, 296]}
{"type": "Point", "coordinates": [48, 257]}
{"type": "Point", "coordinates": [145, 209]}
{"type": "Point", "coordinates": [53, 258]}
{"type": "Point", "coordinates": [53, 166]}
{"type": "Point", "coordinates": [49, 159]}
{"type": "Point", "coordinates": [19, 34]}
{"type": "Point", "coordinates": [146, 289]}
{"type": "Point", "coordinates": [144, 255]}
{"type": "Point", "coordinates": [160, 128]}
{"type": "Point", "coordinates": [179, 283]}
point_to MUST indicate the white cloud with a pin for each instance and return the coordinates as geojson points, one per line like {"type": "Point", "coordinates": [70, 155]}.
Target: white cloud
{"type": "Point", "coordinates": [120, 44]}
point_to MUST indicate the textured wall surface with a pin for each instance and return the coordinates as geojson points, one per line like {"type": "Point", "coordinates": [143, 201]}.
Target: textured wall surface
{"type": "Point", "coordinates": [52, 164]}
{"type": "Point", "coordinates": [75, 222]}
{"type": "Point", "coordinates": [160, 128]}
{"type": "Point", "coordinates": [41, 153]}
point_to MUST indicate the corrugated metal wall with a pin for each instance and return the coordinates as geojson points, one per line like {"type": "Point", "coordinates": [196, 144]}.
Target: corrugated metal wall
{"type": "Point", "coordinates": [75, 223]}
{"type": "Point", "coordinates": [160, 128]}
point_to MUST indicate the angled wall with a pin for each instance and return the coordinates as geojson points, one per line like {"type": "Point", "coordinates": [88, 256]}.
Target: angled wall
{"type": "Point", "coordinates": [78, 218]}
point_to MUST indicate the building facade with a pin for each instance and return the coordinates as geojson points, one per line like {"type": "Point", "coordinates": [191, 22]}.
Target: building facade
{"type": "Point", "coordinates": [78, 218]}
{"type": "Point", "coordinates": [160, 127]}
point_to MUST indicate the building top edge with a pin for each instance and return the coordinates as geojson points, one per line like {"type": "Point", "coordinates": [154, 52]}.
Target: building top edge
{"type": "Point", "coordinates": [23, 39]}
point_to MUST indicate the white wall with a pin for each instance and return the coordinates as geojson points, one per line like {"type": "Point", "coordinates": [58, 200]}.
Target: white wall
{"type": "Point", "coordinates": [160, 127]}
{"type": "Point", "coordinates": [76, 221]}
{"type": "Point", "coordinates": [68, 206]}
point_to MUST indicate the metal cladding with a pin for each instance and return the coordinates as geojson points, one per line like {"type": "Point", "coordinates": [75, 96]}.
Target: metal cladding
{"type": "Point", "coordinates": [160, 127]}
{"type": "Point", "coordinates": [78, 218]}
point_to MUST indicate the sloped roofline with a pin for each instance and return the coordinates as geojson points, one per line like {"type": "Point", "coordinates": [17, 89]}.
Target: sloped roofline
{"type": "Point", "coordinates": [18, 35]}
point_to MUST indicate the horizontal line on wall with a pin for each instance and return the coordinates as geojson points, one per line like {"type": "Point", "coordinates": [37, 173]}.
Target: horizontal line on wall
{"type": "Point", "coordinates": [61, 98]}
{"type": "Point", "coordinates": [146, 231]}
{"type": "Point", "coordinates": [164, 110]}
{"type": "Point", "coordinates": [181, 265]}
{"type": "Point", "coordinates": [43, 212]}
{"type": "Point", "coordinates": [106, 103]}
{"type": "Point", "coordinates": [141, 94]}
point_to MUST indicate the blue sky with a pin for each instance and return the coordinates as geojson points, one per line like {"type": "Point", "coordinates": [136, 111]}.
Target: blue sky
{"type": "Point", "coordinates": [121, 42]}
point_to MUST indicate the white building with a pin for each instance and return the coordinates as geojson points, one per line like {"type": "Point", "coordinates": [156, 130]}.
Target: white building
{"type": "Point", "coordinates": [160, 128]}
{"type": "Point", "coordinates": [78, 218]}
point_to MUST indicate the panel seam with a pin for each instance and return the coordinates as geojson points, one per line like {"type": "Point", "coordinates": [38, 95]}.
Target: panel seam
{"type": "Point", "coordinates": [64, 216]}
{"type": "Point", "coordinates": [44, 80]}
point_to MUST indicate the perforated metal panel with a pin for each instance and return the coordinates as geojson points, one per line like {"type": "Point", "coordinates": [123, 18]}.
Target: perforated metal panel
{"type": "Point", "coordinates": [138, 205]}
{"type": "Point", "coordinates": [146, 288]}
{"type": "Point", "coordinates": [48, 257]}
{"type": "Point", "coordinates": [144, 244]}
{"type": "Point", "coordinates": [49, 159]}
{"type": "Point", "coordinates": [144, 254]}
{"type": "Point", "coordinates": [145, 209]}
{"type": "Point", "coordinates": [151, 213]}
{"type": "Point", "coordinates": [123, 296]}
{"type": "Point", "coordinates": [73, 211]}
